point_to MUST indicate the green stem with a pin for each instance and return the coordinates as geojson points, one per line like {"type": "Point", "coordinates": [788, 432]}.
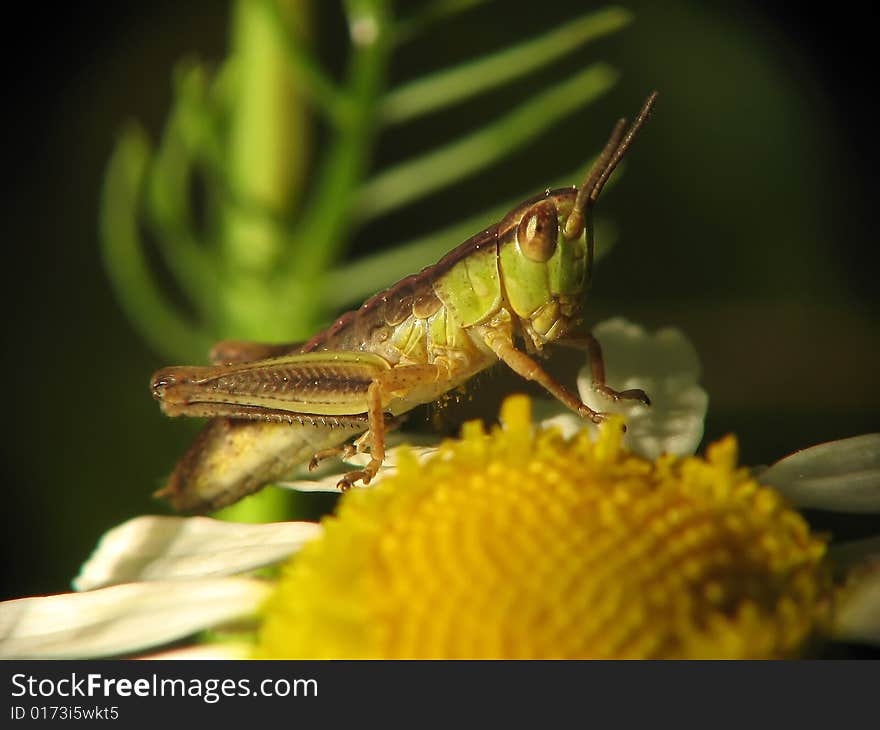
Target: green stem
{"type": "Point", "coordinates": [266, 160]}
{"type": "Point", "coordinates": [327, 222]}
{"type": "Point", "coordinates": [321, 89]}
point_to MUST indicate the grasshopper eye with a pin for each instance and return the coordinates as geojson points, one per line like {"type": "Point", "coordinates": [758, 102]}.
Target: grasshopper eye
{"type": "Point", "coordinates": [537, 232]}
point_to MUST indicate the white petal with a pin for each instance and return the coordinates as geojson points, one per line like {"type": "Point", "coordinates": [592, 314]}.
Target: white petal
{"type": "Point", "coordinates": [548, 416]}
{"type": "Point", "coordinates": [122, 619]}
{"type": "Point", "coordinates": [666, 366]}
{"type": "Point", "coordinates": [392, 455]}
{"type": "Point", "coordinates": [175, 548]}
{"type": "Point", "coordinates": [858, 618]}
{"type": "Point", "coordinates": [209, 650]}
{"type": "Point", "coordinates": [840, 476]}
{"type": "Point", "coordinates": [324, 484]}
{"type": "Point", "coordinates": [328, 482]}
{"type": "Point", "coordinates": [854, 553]}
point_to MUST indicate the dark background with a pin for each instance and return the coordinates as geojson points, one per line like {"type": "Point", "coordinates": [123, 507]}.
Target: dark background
{"type": "Point", "coordinates": [746, 218]}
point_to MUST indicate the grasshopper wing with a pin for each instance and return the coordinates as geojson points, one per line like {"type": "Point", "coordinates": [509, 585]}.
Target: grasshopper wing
{"type": "Point", "coordinates": [228, 352]}
{"type": "Point", "coordinates": [231, 458]}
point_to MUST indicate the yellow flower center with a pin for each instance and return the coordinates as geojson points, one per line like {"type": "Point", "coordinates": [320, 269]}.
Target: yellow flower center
{"type": "Point", "coordinates": [522, 544]}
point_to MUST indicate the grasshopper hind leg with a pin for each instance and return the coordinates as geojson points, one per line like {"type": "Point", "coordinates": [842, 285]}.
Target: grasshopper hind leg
{"type": "Point", "coordinates": [343, 452]}
{"type": "Point", "coordinates": [382, 389]}
{"type": "Point", "coordinates": [361, 445]}
{"type": "Point", "coordinates": [376, 433]}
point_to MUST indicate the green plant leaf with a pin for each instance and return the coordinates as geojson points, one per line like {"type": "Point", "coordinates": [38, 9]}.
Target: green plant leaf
{"type": "Point", "coordinates": [441, 167]}
{"type": "Point", "coordinates": [187, 135]}
{"type": "Point", "coordinates": [444, 88]}
{"type": "Point", "coordinates": [432, 12]}
{"type": "Point", "coordinates": [137, 291]}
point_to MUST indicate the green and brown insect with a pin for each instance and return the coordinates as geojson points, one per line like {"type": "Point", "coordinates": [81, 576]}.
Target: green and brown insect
{"type": "Point", "coordinates": [274, 407]}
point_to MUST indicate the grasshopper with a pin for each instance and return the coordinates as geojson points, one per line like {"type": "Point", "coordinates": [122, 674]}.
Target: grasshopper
{"type": "Point", "coordinates": [275, 406]}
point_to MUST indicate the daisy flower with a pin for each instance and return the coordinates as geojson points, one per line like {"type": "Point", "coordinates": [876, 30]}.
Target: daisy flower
{"type": "Point", "coordinates": [520, 542]}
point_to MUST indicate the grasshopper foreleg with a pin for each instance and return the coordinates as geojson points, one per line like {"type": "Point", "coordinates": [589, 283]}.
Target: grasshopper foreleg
{"type": "Point", "coordinates": [589, 343]}
{"type": "Point", "coordinates": [526, 367]}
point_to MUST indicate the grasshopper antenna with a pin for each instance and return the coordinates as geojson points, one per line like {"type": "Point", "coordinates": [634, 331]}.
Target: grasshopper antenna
{"type": "Point", "coordinates": [615, 148]}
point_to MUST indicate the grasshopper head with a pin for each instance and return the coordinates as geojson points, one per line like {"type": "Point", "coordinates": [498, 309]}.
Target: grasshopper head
{"type": "Point", "coordinates": [544, 273]}
{"type": "Point", "coordinates": [546, 244]}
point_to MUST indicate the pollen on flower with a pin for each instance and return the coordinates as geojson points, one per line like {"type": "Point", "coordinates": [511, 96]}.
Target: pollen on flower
{"type": "Point", "coordinates": [519, 543]}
